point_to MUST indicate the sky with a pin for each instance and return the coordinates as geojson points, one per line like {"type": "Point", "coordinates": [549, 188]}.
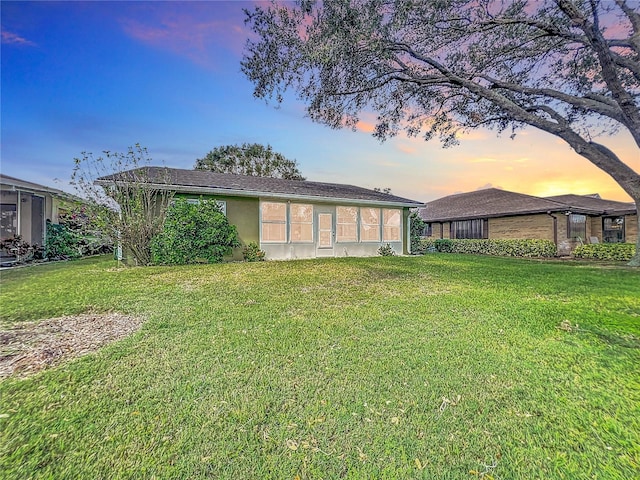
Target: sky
{"type": "Point", "coordinates": [94, 76]}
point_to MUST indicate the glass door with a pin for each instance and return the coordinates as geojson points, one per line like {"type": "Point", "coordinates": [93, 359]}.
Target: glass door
{"type": "Point", "coordinates": [325, 230]}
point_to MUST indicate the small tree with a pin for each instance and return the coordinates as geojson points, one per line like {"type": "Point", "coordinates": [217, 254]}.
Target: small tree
{"type": "Point", "coordinates": [250, 159]}
{"type": "Point", "coordinates": [194, 233]}
{"type": "Point", "coordinates": [123, 199]}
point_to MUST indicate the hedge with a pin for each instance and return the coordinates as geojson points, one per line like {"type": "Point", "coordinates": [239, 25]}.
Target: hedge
{"type": "Point", "coordinates": [497, 247]}
{"type": "Point", "coordinates": [606, 251]}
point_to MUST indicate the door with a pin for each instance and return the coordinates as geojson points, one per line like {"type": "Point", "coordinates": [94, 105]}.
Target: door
{"type": "Point", "coordinates": [325, 230]}
{"type": "Point", "coordinates": [37, 220]}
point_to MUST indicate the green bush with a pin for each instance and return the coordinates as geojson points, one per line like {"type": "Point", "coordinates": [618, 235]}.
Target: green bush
{"type": "Point", "coordinates": [193, 233]}
{"type": "Point", "coordinates": [416, 227]}
{"type": "Point", "coordinates": [497, 247]}
{"type": "Point", "coordinates": [62, 243]}
{"type": "Point", "coordinates": [252, 253]}
{"type": "Point", "coordinates": [386, 251]}
{"type": "Point", "coordinates": [606, 251]}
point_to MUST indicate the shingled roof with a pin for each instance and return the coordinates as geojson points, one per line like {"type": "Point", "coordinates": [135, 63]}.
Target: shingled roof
{"type": "Point", "coordinates": [606, 207]}
{"type": "Point", "coordinates": [206, 182]}
{"type": "Point", "coordinates": [490, 202]}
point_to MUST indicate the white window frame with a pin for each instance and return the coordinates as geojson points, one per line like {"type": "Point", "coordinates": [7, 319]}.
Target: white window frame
{"type": "Point", "coordinates": [274, 222]}
{"type": "Point", "coordinates": [378, 225]}
{"type": "Point", "coordinates": [196, 201]}
{"type": "Point", "coordinates": [356, 225]}
{"type": "Point", "coordinates": [292, 222]}
{"type": "Point", "coordinates": [385, 226]}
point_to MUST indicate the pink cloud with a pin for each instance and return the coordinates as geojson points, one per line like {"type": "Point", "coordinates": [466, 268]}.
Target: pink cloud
{"type": "Point", "coordinates": [197, 33]}
{"type": "Point", "coordinates": [15, 39]}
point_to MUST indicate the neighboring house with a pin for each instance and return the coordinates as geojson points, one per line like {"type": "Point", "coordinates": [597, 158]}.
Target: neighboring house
{"type": "Point", "coordinates": [294, 218]}
{"type": "Point", "coordinates": [25, 207]}
{"type": "Point", "coordinates": [567, 220]}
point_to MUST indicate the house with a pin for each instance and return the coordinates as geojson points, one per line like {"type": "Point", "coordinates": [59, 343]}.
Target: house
{"type": "Point", "coordinates": [25, 207]}
{"type": "Point", "coordinates": [291, 219]}
{"type": "Point", "coordinates": [567, 220]}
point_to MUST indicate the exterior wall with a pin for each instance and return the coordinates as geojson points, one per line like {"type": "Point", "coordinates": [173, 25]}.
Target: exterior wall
{"type": "Point", "coordinates": [446, 230]}
{"type": "Point", "coordinates": [244, 213]}
{"type": "Point", "coordinates": [596, 228]}
{"type": "Point", "coordinates": [631, 228]}
{"type": "Point", "coordinates": [29, 222]}
{"type": "Point", "coordinates": [289, 250]}
{"type": "Point", "coordinates": [539, 226]}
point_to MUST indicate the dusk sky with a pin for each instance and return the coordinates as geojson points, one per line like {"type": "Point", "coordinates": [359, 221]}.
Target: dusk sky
{"type": "Point", "coordinates": [94, 76]}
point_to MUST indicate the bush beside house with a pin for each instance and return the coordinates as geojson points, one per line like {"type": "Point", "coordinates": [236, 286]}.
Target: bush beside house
{"type": "Point", "coordinates": [606, 251]}
{"type": "Point", "coordinates": [193, 233]}
{"type": "Point", "coordinates": [497, 247]}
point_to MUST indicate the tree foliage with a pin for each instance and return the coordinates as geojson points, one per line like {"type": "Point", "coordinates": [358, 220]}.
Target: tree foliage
{"type": "Point", "coordinates": [122, 199]}
{"type": "Point", "coordinates": [438, 68]}
{"type": "Point", "coordinates": [250, 159]}
{"type": "Point", "coordinates": [194, 233]}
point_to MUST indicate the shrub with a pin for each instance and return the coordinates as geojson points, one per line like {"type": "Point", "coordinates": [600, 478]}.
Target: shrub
{"type": "Point", "coordinates": [498, 247]}
{"type": "Point", "coordinates": [193, 233]}
{"type": "Point", "coordinates": [91, 237]}
{"type": "Point", "coordinates": [416, 227]}
{"type": "Point", "coordinates": [62, 243]}
{"type": "Point", "coordinates": [386, 251]}
{"type": "Point", "coordinates": [606, 251]}
{"type": "Point", "coordinates": [252, 253]}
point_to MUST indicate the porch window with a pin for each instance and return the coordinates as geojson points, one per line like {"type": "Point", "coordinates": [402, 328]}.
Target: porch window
{"type": "Point", "coordinates": [196, 201]}
{"type": "Point", "coordinates": [427, 230]}
{"type": "Point", "coordinates": [613, 230]}
{"type": "Point", "coordinates": [301, 223]}
{"type": "Point", "coordinates": [476, 228]}
{"type": "Point", "coordinates": [370, 224]}
{"type": "Point", "coordinates": [577, 226]}
{"type": "Point", "coordinates": [391, 220]}
{"type": "Point", "coordinates": [274, 222]}
{"type": "Point", "coordinates": [8, 220]}
{"type": "Point", "coordinates": [346, 224]}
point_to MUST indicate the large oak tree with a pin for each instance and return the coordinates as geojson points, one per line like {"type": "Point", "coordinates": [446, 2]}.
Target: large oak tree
{"type": "Point", "coordinates": [249, 159]}
{"type": "Point", "coordinates": [435, 68]}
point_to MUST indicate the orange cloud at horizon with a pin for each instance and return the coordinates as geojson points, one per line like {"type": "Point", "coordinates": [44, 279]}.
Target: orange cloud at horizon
{"type": "Point", "coordinates": [534, 163]}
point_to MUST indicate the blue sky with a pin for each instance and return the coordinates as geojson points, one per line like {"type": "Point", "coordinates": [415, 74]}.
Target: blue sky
{"type": "Point", "coordinates": [94, 76]}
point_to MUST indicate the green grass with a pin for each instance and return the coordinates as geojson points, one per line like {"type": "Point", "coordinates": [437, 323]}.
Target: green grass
{"type": "Point", "coordinates": [442, 366]}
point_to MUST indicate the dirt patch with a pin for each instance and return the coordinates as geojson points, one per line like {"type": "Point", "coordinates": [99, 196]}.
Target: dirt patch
{"type": "Point", "coordinates": [30, 347]}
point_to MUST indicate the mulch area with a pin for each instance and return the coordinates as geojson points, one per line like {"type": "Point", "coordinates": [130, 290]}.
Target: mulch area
{"type": "Point", "coordinates": [30, 347]}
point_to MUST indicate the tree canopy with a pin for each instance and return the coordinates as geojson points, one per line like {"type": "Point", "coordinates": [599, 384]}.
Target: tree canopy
{"type": "Point", "coordinates": [438, 68]}
{"type": "Point", "coordinates": [250, 159]}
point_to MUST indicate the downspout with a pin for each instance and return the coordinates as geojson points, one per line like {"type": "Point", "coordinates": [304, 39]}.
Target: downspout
{"type": "Point", "coordinates": [555, 229]}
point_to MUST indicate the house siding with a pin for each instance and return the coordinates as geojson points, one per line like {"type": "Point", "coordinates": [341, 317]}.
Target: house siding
{"type": "Point", "coordinates": [596, 228]}
{"type": "Point", "coordinates": [631, 228]}
{"type": "Point", "coordinates": [538, 226]}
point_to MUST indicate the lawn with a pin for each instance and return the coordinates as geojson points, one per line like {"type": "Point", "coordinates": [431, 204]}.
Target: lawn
{"type": "Point", "coordinates": [442, 366]}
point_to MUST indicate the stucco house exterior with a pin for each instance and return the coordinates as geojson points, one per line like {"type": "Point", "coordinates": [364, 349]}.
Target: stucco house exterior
{"type": "Point", "coordinates": [292, 219]}
{"type": "Point", "coordinates": [567, 220]}
{"type": "Point", "coordinates": [25, 207]}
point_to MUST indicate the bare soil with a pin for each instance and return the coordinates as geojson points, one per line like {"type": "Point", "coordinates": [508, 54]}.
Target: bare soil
{"type": "Point", "coordinates": [30, 347]}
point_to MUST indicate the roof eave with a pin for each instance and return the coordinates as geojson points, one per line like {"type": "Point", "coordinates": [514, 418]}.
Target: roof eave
{"type": "Point", "coordinates": [513, 214]}
{"type": "Point", "coordinates": [274, 195]}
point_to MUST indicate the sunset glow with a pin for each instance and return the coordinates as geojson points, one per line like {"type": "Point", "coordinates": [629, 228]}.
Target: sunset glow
{"type": "Point", "coordinates": [96, 76]}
